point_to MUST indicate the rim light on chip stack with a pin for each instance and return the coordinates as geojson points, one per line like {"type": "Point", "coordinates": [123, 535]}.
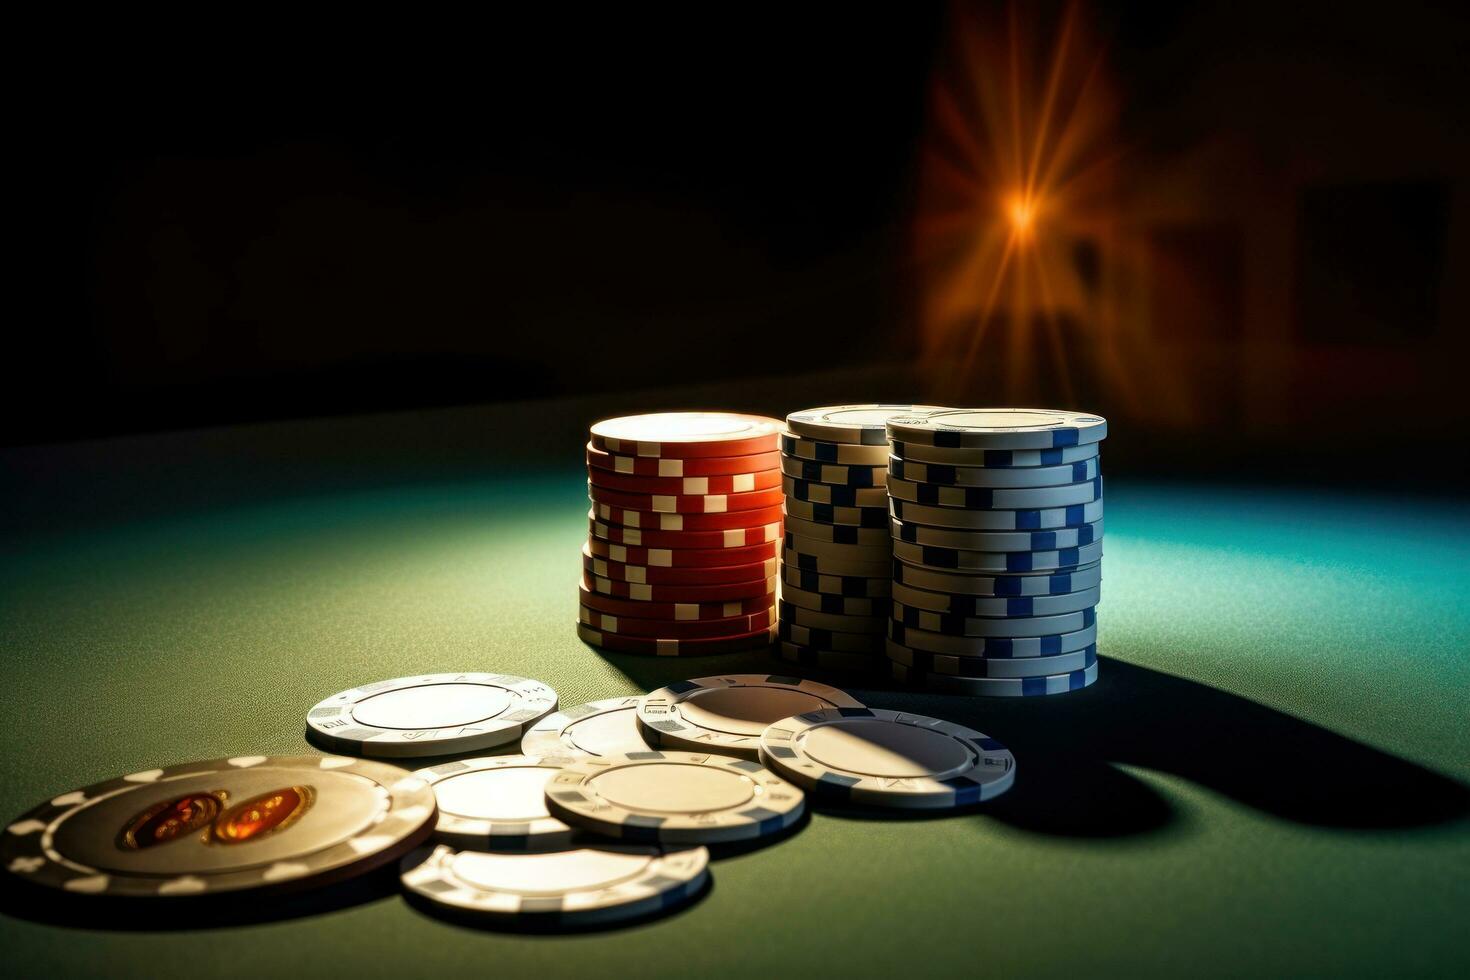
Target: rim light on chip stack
{"type": "Point", "coordinates": [684, 534]}
{"type": "Point", "coordinates": [836, 578]}
{"type": "Point", "coordinates": [996, 516]}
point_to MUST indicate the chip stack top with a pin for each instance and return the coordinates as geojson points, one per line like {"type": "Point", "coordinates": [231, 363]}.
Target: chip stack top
{"type": "Point", "coordinates": [683, 535]}
{"type": "Point", "coordinates": [997, 524]}
{"type": "Point", "coordinates": [835, 563]}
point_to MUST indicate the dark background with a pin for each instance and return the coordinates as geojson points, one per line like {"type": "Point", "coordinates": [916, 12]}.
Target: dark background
{"type": "Point", "coordinates": [224, 222]}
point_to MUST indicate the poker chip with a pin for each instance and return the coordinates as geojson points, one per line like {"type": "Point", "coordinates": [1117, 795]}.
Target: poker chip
{"type": "Point", "coordinates": [810, 636]}
{"type": "Point", "coordinates": [649, 521]}
{"type": "Point", "coordinates": [669, 647]}
{"type": "Point", "coordinates": [822, 493]}
{"type": "Point", "coordinates": [430, 714]}
{"type": "Point", "coordinates": [697, 466]}
{"type": "Point", "coordinates": [957, 582]}
{"type": "Point", "coordinates": [693, 486]}
{"type": "Point", "coordinates": [656, 575]}
{"type": "Point", "coordinates": [927, 556]}
{"type": "Point", "coordinates": [682, 557]}
{"type": "Point", "coordinates": [222, 825]}
{"type": "Point", "coordinates": [584, 886]}
{"type": "Point", "coordinates": [840, 622]}
{"type": "Point", "coordinates": [995, 477]}
{"type": "Point", "coordinates": [497, 802]}
{"type": "Point", "coordinates": [688, 630]}
{"type": "Point", "coordinates": [996, 520]}
{"type": "Point", "coordinates": [671, 503]}
{"type": "Point", "coordinates": [869, 517]}
{"type": "Point", "coordinates": [942, 663]}
{"type": "Point", "coordinates": [991, 458]}
{"type": "Point", "coordinates": [1008, 667]}
{"type": "Point", "coordinates": [686, 435]}
{"type": "Point", "coordinates": [843, 661]}
{"type": "Point", "coordinates": [728, 714]}
{"type": "Point", "coordinates": [1014, 606]}
{"type": "Point", "coordinates": [882, 758]}
{"type": "Point", "coordinates": [998, 428]}
{"type": "Point", "coordinates": [989, 626]}
{"type": "Point", "coordinates": [673, 611]}
{"type": "Point", "coordinates": [997, 687]}
{"type": "Point", "coordinates": [845, 605]}
{"type": "Point", "coordinates": [858, 586]}
{"type": "Point", "coordinates": [957, 644]}
{"type": "Point", "coordinates": [861, 424]}
{"type": "Point", "coordinates": [1053, 540]}
{"type": "Point", "coordinates": [989, 498]}
{"type": "Point", "coordinates": [674, 798]}
{"type": "Point", "coordinates": [825, 565]}
{"type": "Point", "coordinates": [833, 473]}
{"type": "Point", "coordinates": [597, 728]}
{"type": "Point", "coordinates": [679, 594]}
{"type": "Point", "coordinates": [840, 453]}
{"type": "Point", "coordinates": [799, 532]}
{"type": "Point", "coordinates": [633, 537]}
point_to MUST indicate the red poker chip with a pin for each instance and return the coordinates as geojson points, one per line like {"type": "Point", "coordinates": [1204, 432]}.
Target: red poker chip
{"type": "Point", "coordinates": [712, 503]}
{"type": "Point", "coordinates": [673, 611]}
{"type": "Point", "coordinates": [651, 575]}
{"type": "Point", "coordinates": [678, 593]}
{"type": "Point", "coordinates": [684, 557]}
{"type": "Point", "coordinates": [673, 647]}
{"type": "Point", "coordinates": [689, 486]}
{"type": "Point", "coordinates": [736, 537]}
{"type": "Point", "coordinates": [687, 435]}
{"type": "Point", "coordinates": [699, 466]}
{"type": "Point", "coordinates": [644, 519]}
{"type": "Point", "coordinates": [663, 629]}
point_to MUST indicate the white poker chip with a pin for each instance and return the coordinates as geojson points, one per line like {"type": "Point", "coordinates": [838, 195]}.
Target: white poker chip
{"type": "Point", "coordinates": [728, 714]}
{"type": "Point", "coordinates": [674, 798]}
{"type": "Point", "coordinates": [999, 428]}
{"type": "Point", "coordinates": [586, 886]}
{"type": "Point", "coordinates": [497, 801]}
{"type": "Point", "coordinates": [430, 714]}
{"type": "Point", "coordinates": [858, 424]}
{"type": "Point", "coordinates": [597, 728]}
{"type": "Point", "coordinates": [885, 758]}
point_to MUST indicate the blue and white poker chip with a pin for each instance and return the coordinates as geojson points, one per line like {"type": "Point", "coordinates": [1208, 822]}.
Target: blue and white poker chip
{"type": "Point", "coordinates": [999, 428]}
{"type": "Point", "coordinates": [834, 474]}
{"type": "Point", "coordinates": [839, 453]}
{"type": "Point", "coordinates": [990, 498]}
{"type": "Point", "coordinates": [1052, 540]}
{"type": "Point", "coordinates": [949, 583]}
{"type": "Point", "coordinates": [861, 424]}
{"type": "Point", "coordinates": [989, 626]}
{"type": "Point", "coordinates": [1010, 667]}
{"type": "Point", "coordinates": [996, 520]}
{"type": "Point", "coordinates": [995, 647]}
{"type": "Point", "coordinates": [998, 687]}
{"type": "Point", "coordinates": [838, 496]}
{"type": "Point", "coordinates": [994, 477]}
{"type": "Point", "coordinates": [875, 757]}
{"type": "Point", "coordinates": [927, 556]}
{"type": "Point", "coordinates": [992, 458]}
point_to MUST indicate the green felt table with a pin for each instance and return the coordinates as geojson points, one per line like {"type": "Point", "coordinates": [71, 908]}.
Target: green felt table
{"type": "Point", "coordinates": [1268, 779]}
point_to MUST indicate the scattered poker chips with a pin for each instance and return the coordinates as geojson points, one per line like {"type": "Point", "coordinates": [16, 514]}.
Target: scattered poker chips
{"type": "Point", "coordinates": [224, 825]}
{"type": "Point", "coordinates": [684, 534]}
{"type": "Point", "coordinates": [674, 798]}
{"type": "Point", "coordinates": [883, 758]}
{"type": "Point", "coordinates": [996, 517]}
{"type": "Point", "coordinates": [431, 714]}
{"type": "Point", "coordinates": [836, 561]}
{"type": "Point", "coordinates": [728, 714]}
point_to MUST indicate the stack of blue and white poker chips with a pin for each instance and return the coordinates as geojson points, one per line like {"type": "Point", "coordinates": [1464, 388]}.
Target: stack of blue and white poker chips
{"type": "Point", "coordinates": [837, 556]}
{"type": "Point", "coordinates": [997, 522]}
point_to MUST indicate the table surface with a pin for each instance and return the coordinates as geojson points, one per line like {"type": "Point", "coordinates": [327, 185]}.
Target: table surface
{"type": "Point", "coordinates": [1268, 778]}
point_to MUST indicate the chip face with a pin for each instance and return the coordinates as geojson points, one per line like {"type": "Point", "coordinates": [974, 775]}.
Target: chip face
{"type": "Point", "coordinates": [885, 758]}
{"type": "Point", "coordinates": [999, 428]}
{"type": "Point", "coordinates": [727, 714]}
{"type": "Point", "coordinates": [686, 435]}
{"type": "Point", "coordinates": [497, 801]}
{"type": "Point", "coordinates": [858, 424]}
{"type": "Point", "coordinates": [222, 825]}
{"type": "Point", "coordinates": [597, 728]}
{"type": "Point", "coordinates": [674, 798]}
{"type": "Point", "coordinates": [431, 714]}
{"type": "Point", "coordinates": [607, 883]}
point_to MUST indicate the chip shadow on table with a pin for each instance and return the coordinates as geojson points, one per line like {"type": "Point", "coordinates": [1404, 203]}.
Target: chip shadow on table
{"type": "Point", "coordinates": [1069, 748]}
